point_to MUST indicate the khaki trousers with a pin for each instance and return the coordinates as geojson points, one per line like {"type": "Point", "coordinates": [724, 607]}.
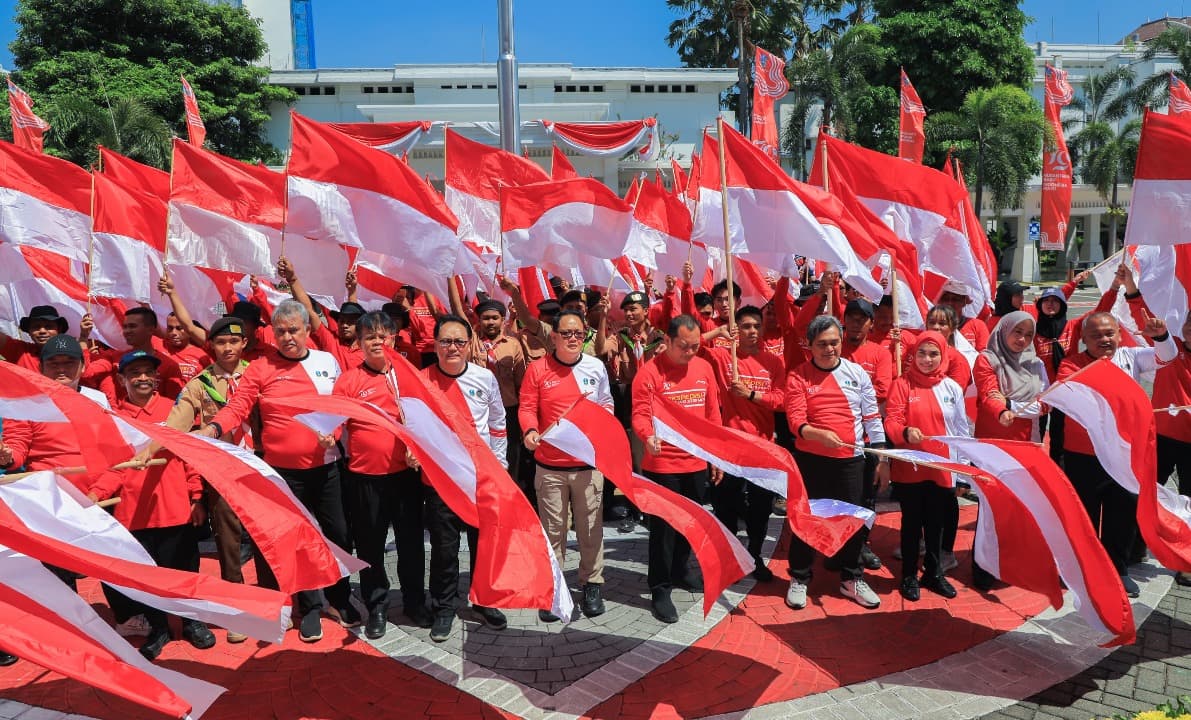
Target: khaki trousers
{"type": "Point", "coordinates": [561, 491]}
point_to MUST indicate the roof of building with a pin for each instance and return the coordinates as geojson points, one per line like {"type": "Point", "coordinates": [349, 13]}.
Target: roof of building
{"type": "Point", "coordinates": [1152, 29]}
{"type": "Point", "coordinates": [526, 71]}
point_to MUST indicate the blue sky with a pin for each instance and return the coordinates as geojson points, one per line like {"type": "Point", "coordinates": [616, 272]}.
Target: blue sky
{"type": "Point", "coordinates": [354, 33]}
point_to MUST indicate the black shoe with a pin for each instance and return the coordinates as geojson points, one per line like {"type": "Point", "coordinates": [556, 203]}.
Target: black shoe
{"type": "Point", "coordinates": [617, 512]}
{"type": "Point", "coordinates": [982, 579]}
{"type": "Point", "coordinates": [6, 659]}
{"type": "Point", "coordinates": [909, 588]}
{"type": "Point", "coordinates": [869, 559]}
{"type": "Point", "coordinates": [938, 585]}
{"type": "Point", "coordinates": [198, 634]}
{"type": "Point", "coordinates": [492, 617]}
{"type": "Point", "coordinates": [593, 604]}
{"type": "Point", "coordinates": [420, 615]}
{"type": "Point", "coordinates": [663, 607]}
{"type": "Point", "coordinates": [155, 643]}
{"type": "Point", "coordinates": [547, 617]}
{"type": "Point", "coordinates": [349, 616]}
{"type": "Point", "coordinates": [377, 624]}
{"type": "Point", "coordinates": [311, 628]}
{"type": "Point", "coordinates": [1183, 578]}
{"type": "Point", "coordinates": [761, 573]}
{"type": "Point", "coordinates": [690, 582]}
{"type": "Point", "coordinates": [1131, 588]}
{"type": "Point", "coordinates": [627, 525]}
{"type": "Point", "coordinates": [441, 630]}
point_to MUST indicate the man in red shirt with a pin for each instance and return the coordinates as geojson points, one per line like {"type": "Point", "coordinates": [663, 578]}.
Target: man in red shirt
{"type": "Point", "coordinates": [957, 296]}
{"type": "Point", "coordinates": [387, 490]}
{"type": "Point", "coordinates": [566, 487]}
{"type": "Point", "coordinates": [140, 332]}
{"type": "Point", "coordinates": [160, 505]}
{"type": "Point", "coordinates": [678, 374]}
{"type": "Point", "coordinates": [42, 323]}
{"type": "Point", "coordinates": [191, 359]}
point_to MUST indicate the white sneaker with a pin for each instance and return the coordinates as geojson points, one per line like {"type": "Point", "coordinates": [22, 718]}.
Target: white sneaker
{"type": "Point", "coordinates": [133, 626]}
{"type": "Point", "coordinates": [796, 595]}
{"type": "Point", "coordinates": [947, 561]}
{"type": "Point", "coordinates": [859, 591]}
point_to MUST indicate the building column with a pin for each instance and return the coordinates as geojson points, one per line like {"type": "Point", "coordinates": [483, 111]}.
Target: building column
{"type": "Point", "coordinates": [612, 174]}
{"type": "Point", "coordinates": [1025, 255]}
{"type": "Point", "coordinates": [1091, 250]}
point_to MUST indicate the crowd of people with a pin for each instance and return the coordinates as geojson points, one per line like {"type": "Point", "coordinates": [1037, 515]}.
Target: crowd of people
{"type": "Point", "coordinates": [825, 374]}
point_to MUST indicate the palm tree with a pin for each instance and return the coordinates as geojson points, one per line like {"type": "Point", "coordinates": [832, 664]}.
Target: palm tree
{"type": "Point", "coordinates": [1154, 91]}
{"type": "Point", "coordinates": [832, 75]}
{"type": "Point", "coordinates": [1104, 150]}
{"type": "Point", "coordinates": [126, 125]}
{"type": "Point", "coordinates": [998, 133]}
{"type": "Point", "coordinates": [705, 32]}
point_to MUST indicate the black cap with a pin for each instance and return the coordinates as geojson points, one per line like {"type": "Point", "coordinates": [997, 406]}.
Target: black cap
{"type": "Point", "coordinates": [859, 305]}
{"type": "Point", "coordinates": [635, 298]}
{"type": "Point", "coordinates": [549, 307]}
{"type": "Point", "coordinates": [1012, 287]}
{"type": "Point", "coordinates": [228, 325]}
{"type": "Point", "coordinates": [349, 308]}
{"type": "Point", "coordinates": [131, 357]}
{"type": "Point", "coordinates": [487, 305]}
{"type": "Point", "coordinates": [246, 311]}
{"type": "Point", "coordinates": [44, 312]}
{"type": "Point", "coordinates": [62, 345]}
{"type": "Point", "coordinates": [575, 296]}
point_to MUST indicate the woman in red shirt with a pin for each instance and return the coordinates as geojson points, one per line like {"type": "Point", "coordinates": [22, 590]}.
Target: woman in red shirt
{"type": "Point", "coordinates": [1009, 378]}
{"type": "Point", "coordinates": [924, 402]}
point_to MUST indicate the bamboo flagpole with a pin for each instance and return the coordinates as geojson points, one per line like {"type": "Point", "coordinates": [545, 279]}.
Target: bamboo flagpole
{"type": "Point", "coordinates": [1173, 409]}
{"type": "Point", "coordinates": [827, 188]}
{"type": "Point", "coordinates": [91, 242]}
{"type": "Point", "coordinates": [897, 323]}
{"type": "Point", "coordinates": [80, 470]}
{"type": "Point", "coordinates": [727, 241]}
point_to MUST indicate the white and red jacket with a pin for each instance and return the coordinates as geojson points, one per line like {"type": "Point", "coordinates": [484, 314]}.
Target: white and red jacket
{"type": "Point", "coordinates": [841, 400]}
{"type": "Point", "coordinates": [1172, 386]}
{"type": "Point", "coordinates": [476, 392]}
{"type": "Point", "coordinates": [1135, 361]}
{"type": "Point", "coordinates": [763, 373]}
{"type": "Point", "coordinates": [937, 410]}
{"type": "Point", "coordinates": [693, 386]}
{"type": "Point", "coordinates": [876, 361]}
{"type": "Point", "coordinates": [286, 442]}
{"type": "Point", "coordinates": [550, 388]}
{"type": "Point", "coordinates": [372, 450]}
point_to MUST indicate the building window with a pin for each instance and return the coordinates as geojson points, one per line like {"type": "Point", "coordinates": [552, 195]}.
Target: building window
{"type": "Point", "coordinates": [314, 91]}
{"type": "Point", "coordinates": [663, 88]}
{"type": "Point", "coordinates": [558, 88]}
{"type": "Point", "coordinates": [597, 88]}
{"type": "Point", "coordinates": [584, 88]}
{"type": "Point", "coordinates": [329, 91]}
{"type": "Point", "coordinates": [570, 88]}
{"type": "Point", "coordinates": [300, 90]}
{"type": "Point", "coordinates": [477, 87]}
{"type": "Point", "coordinates": [446, 87]}
{"type": "Point", "coordinates": [649, 88]}
{"type": "Point", "coordinates": [490, 87]}
{"type": "Point", "coordinates": [382, 90]}
{"type": "Point", "coordinates": [676, 88]}
{"type": "Point", "coordinates": [635, 88]}
{"type": "Point", "coordinates": [368, 89]}
{"type": "Point", "coordinates": [690, 88]}
{"type": "Point", "coordinates": [522, 87]}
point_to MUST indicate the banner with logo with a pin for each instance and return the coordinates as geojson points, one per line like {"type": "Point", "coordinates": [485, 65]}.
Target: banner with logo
{"type": "Point", "coordinates": [1056, 165]}
{"type": "Point", "coordinates": [769, 86]}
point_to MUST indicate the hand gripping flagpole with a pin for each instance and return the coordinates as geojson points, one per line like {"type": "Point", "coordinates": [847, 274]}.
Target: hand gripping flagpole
{"type": "Point", "coordinates": [727, 240]}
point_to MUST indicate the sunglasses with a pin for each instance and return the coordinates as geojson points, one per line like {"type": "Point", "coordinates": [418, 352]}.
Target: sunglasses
{"type": "Point", "coordinates": [448, 342]}
{"type": "Point", "coordinates": [571, 334]}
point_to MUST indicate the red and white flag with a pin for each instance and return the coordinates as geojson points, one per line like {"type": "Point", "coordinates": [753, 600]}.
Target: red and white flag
{"type": "Point", "coordinates": [475, 173]}
{"type": "Point", "coordinates": [1119, 418]}
{"type": "Point", "coordinates": [535, 286]}
{"type": "Point", "coordinates": [1160, 210]}
{"type": "Point", "coordinates": [769, 86]}
{"type": "Point", "coordinates": [911, 139]}
{"type": "Point", "coordinates": [680, 178]}
{"type": "Point", "coordinates": [608, 139]}
{"type": "Point", "coordinates": [1164, 279]}
{"type": "Point", "coordinates": [49, 625]}
{"type": "Point", "coordinates": [134, 175]}
{"type": "Point", "coordinates": [395, 138]}
{"type": "Point", "coordinates": [825, 525]}
{"type": "Point", "coordinates": [128, 241]}
{"type": "Point", "coordinates": [592, 435]}
{"type": "Point", "coordinates": [663, 223]}
{"type": "Point", "coordinates": [922, 205]}
{"type": "Point", "coordinates": [1180, 96]}
{"type": "Point", "coordinates": [974, 230]}
{"type": "Point", "coordinates": [45, 202]}
{"type": "Point", "coordinates": [195, 130]}
{"type": "Point", "coordinates": [560, 166]}
{"type": "Point", "coordinates": [770, 221]}
{"type": "Point", "coordinates": [28, 130]}
{"type": "Point", "coordinates": [1056, 164]}
{"type": "Point", "coordinates": [344, 192]}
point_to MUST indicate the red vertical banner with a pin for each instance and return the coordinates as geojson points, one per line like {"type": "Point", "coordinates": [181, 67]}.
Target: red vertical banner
{"type": "Point", "coordinates": [1056, 165]}
{"type": "Point", "coordinates": [911, 133]}
{"type": "Point", "coordinates": [195, 129]}
{"type": "Point", "coordinates": [1180, 96]}
{"type": "Point", "coordinates": [769, 86]}
{"type": "Point", "coordinates": [28, 130]}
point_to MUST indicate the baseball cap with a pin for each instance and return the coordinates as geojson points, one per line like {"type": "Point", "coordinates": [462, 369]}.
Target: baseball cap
{"type": "Point", "coordinates": [62, 345]}
{"type": "Point", "coordinates": [131, 357]}
{"type": "Point", "coordinates": [228, 325]}
{"type": "Point", "coordinates": [859, 305]}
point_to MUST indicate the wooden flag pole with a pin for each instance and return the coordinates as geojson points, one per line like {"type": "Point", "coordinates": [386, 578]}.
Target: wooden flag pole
{"type": "Point", "coordinates": [80, 470]}
{"type": "Point", "coordinates": [830, 304]}
{"type": "Point", "coordinates": [91, 244]}
{"type": "Point", "coordinates": [727, 241]}
{"type": "Point", "coordinates": [897, 325]}
{"type": "Point", "coordinates": [1173, 409]}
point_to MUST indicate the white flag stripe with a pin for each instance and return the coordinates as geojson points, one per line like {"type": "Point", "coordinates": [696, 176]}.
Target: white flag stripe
{"type": "Point", "coordinates": [26, 220]}
{"type": "Point", "coordinates": [986, 545]}
{"type": "Point", "coordinates": [441, 444]}
{"type": "Point", "coordinates": [207, 239]}
{"type": "Point", "coordinates": [1089, 408]}
{"type": "Point", "coordinates": [124, 267]}
{"type": "Point", "coordinates": [564, 233]}
{"type": "Point", "coordinates": [1159, 212]}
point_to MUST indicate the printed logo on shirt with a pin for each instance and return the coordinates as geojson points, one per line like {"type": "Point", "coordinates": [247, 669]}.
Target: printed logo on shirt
{"type": "Point", "coordinates": [546, 385]}
{"type": "Point", "coordinates": [688, 398]}
{"type": "Point", "coordinates": [365, 392]}
{"type": "Point", "coordinates": [476, 393]}
{"type": "Point", "coordinates": [322, 373]}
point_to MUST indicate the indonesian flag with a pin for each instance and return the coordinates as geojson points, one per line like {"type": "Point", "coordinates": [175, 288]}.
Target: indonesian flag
{"type": "Point", "coordinates": [922, 205]}
{"type": "Point", "coordinates": [1119, 418]}
{"type": "Point", "coordinates": [560, 165]}
{"type": "Point", "coordinates": [1160, 210]}
{"type": "Point", "coordinates": [1029, 473]}
{"type": "Point", "coordinates": [1180, 96]}
{"type": "Point", "coordinates": [1165, 281]}
{"type": "Point", "coordinates": [128, 241]}
{"type": "Point", "coordinates": [59, 525]}
{"type": "Point", "coordinates": [825, 525]}
{"type": "Point", "coordinates": [663, 223]}
{"type": "Point", "coordinates": [342, 191]}
{"type": "Point", "coordinates": [1105, 273]}
{"type": "Point", "coordinates": [49, 625]}
{"type": "Point", "coordinates": [535, 286]}
{"type": "Point", "coordinates": [299, 555]}
{"type": "Point", "coordinates": [134, 175]}
{"type": "Point", "coordinates": [45, 202]}
{"type": "Point", "coordinates": [395, 138]}
{"type": "Point", "coordinates": [769, 86]}
{"type": "Point", "coordinates": [195, 129]}
{"type": "Point", "coordinates": [608, 139]}
{"type": "Point", "coordinates": [680, 178]}
{"type": "Point", "coordinates": [28, 130]}
{"type": "Point", "coordinates": [769, 215]}
{"type": "Point", "coordinates": [974, 231]}
{"type": "Point", "coordinates": [592, 435]}
{"type": "Point", "coordinates": [911, 138]}
{"type": "Point", "coordinates": [1056, 164]}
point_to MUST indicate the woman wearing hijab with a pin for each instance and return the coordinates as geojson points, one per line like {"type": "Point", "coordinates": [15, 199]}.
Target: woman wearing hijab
{"type": "Point", "coordinates": [924, 402]}
{"type": "Point", "coordinates": [1009, 378]}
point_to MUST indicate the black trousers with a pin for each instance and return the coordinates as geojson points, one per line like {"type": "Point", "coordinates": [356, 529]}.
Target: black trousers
{"type": "Point", "coordinates": [669, 552]}
{"type": "Point", "coordinates": [837, 479]}
{"type": "Point", "coordinates": [950, 521]}
{"type": "Point", "coordinates": [1112, 508]}
{"type": "Point", "coordinates": [781, 431]}
{"type": "Point", "coordinates": [736, 498]}
{"type": "Point", "coordinates": [924, 509]}
{"type": "Point", "coordinates": [1054, 422]}
{"type": "Point", "coordinates": [1174, 455]}
{"type": "Point", "coordinates": [173, 547]}
{"type": "Point", "coordinates": [382, 502]}
{"type": "Point", "coordinates": [320, 491]}
{"type": "Point", "coordinates": [445, 526]}
{"type": "Point", "coordinates": [521, 465]}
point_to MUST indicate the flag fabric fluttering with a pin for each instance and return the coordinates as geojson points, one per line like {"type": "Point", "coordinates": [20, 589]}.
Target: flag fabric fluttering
{"type": "Point", "coordinates": [195, 129]}
{"type": "Point", "coordinates": [128, 241]}
{"type": "Point", "coordinates": [1180, 96]}
{"type": "Point", "coordinates": [1160, 208]}
{"type": "Point", "coordinates": [560, 166]}
{"type": "Point", "coordinates": [28, 130]}
{"type": "Point", "coordinates": [1056, 164]}
{"type": "Point", "coordinates": [1164, 279]}
{"type": "Point", "coordinates": [769, 86]}
{"type": "Point", "coordinates": [911, 139]}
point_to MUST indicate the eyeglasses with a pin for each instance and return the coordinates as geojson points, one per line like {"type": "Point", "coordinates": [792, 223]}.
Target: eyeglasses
{"type": "Point", "coordinates": [448, 342]}
{"type": "Point", "coordinates": [571, 334]}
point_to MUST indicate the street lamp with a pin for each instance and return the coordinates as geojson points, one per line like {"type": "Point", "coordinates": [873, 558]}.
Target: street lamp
{"type": "Point", "coordinates": [742, 10]}
{"type": "Point", "coordinates": [506, 77]}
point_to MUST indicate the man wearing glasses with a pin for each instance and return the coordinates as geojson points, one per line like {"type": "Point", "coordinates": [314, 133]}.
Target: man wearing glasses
{"type": "Point", "coordinates": [564, 485]}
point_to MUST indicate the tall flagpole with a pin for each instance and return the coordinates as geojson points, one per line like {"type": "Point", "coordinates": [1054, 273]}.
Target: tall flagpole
{"type": "Point", "coordinates": [506, 76]}
{"type": "Point", "coordinates": [727, 238]}
{"type": "Point", "coordinates": [830, 305]}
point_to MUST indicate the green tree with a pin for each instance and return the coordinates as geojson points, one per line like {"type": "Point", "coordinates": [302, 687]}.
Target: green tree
{"type": "Point", "coordinates": [137, 49]}
{"type": "Point", "coordinates": [78, 125]}
{"type": "Point", "coordinates": [705, 32]}
{"type": "Point", "coordinates": [998, 135]}
{"type": "Point", "coordinates": [836, 75]}
{"type": "Point", "coordinates": [1154, 91]}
